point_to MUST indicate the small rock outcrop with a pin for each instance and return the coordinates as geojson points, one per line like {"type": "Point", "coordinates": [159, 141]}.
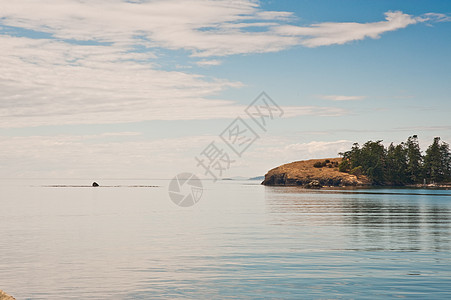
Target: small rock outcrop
{"type": "Point", "coordinates": [314, 173]}
{"type": "Point", "coordinates": [95, 184]}
{"type": "Point", "coordinates": [5, 296]}
{"type": "Point", "coordinates": [314, 184]}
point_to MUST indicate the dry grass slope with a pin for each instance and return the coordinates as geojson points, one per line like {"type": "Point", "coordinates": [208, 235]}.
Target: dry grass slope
{"type": "Point", "coordinates": [304, 173]}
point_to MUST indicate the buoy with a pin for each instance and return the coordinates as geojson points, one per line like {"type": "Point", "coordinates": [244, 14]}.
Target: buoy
{"type": "Point", "coordinates": [95, 184]}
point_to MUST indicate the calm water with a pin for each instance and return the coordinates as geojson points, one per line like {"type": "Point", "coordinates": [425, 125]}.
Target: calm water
{"type": "Point", "coordinates": [242, 240]}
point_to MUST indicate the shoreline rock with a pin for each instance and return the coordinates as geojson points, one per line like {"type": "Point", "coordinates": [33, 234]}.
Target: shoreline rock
{"type": "Point", "coordinates": [313, 173]}
{"type": "Point", "coordinates": [5, 296]}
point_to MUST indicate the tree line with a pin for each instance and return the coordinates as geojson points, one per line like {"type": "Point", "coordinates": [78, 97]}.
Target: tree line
{"type": "Point", "coordinates": [401, 164]}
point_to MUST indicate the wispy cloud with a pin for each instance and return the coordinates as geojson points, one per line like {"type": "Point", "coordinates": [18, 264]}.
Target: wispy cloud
{"type": "Point", "coordinates": [48, 82]}
{"type": "Point", "coordinates": [202, 27]}
{"type": "Point", "coordinates": [424, 128]}
{"type": "Point", "coordinates": [332, 33]}
{"type": "Point", "coordinates": [51, 78]}
{"type": "Point", "coordinates": [341, 97]}
{"type": "Point", "coordinates": [436, 17]}
{"type": "Point", "coordinates": [51, 82]}
{"type": "Point", "coordinates": [273, 151]}
{"type": "Point", "coordinates": [207, 63]}
{"type": "Point", "coordinates": [99, 155]}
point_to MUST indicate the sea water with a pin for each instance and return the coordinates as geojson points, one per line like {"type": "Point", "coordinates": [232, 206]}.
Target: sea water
{"type": "Point", "coordinates": [61, 239]}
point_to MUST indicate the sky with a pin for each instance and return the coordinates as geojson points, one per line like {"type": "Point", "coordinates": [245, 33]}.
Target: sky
{"type": "Point", "coordinates": [147, 89]}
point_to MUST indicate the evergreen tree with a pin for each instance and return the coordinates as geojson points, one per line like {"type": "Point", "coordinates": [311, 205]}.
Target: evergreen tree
{"type": "Point", "coordinates": [414, 160]}
{"type": "Point", "coordinates": [396, 165]}
{"type": "Point", "coordinates": [372, 160]}
{"type": "Point", "coordinates": [399, 164]}
{"type": "Point", "coordinates": [351, 158]}
{"type": "Point", "coordinates": [437, 162]}
{"type": "Point", "coordinates": [446, 161]}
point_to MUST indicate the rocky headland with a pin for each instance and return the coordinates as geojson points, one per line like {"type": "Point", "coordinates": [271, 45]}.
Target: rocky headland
{"type": "Point", "coordinates": [313, 173]}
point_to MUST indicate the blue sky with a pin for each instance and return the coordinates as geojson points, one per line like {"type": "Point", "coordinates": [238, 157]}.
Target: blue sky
{"type": "Point", "coordinates": [116, 89]}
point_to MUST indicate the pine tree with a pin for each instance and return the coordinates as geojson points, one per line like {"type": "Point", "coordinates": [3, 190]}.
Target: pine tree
{"type": "Point", "coordinates": [437, 162]}
{"type": "Point", "coordinates": [446, 161]}
{"type": "Point", "coordinates": [396, 165]}
{"type": "Point", "coordinates": [414, 160]}
{"type": "Point", "coordinates": [372, 159]}
{"type": "Point", "coordinates": [399, 164]}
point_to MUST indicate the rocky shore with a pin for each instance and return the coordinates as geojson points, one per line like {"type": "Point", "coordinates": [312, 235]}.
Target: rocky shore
{"type": "Point", "coordinates": [314, 173]}
{"type": "Point", "coordinates": [4, 296]}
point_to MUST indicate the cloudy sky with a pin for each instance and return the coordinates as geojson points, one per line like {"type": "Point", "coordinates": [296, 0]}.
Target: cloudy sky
{"type": "Point", "coordinates": [138, 89]}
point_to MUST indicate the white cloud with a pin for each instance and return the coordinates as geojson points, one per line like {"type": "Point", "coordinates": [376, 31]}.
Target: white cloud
{"type": "Point", "coordinates": [331, 33]}
{"type": "Point", "coordinates": [47, 82]}
{"type": "Point", "coordinates": [117, 78]}
{"type": "Point", "coordinates": [121, 134]}
{"type": "Point", "coordinates": [55, 81]}
{"type": "Point", "coordinates": [131, 155]}
{"type": "Point", "coordinates": [436, 17]}
{"type": "Point", "coordinates": [207, 63]}
{"type": "Point", "coordinates": [298, 151]}
{"type": "Point", "coordinates": [341, 97]}
{"type": "Point", "coordinates": [203, 27]}
{"type": "Point", "coordinates": [271, 151]}
{"type": "Point", "coordinates": [319, 148]}
{"type": "Point", "coordinates": [293, 111]}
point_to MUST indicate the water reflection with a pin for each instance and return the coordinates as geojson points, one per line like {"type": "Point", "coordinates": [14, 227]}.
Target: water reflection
{"type": "Point", "coordinates": [133, 243]}
{"type": "Point", "coordinates": [405, 220]}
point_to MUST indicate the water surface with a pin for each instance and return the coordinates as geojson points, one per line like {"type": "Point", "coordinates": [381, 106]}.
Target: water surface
{"type": "Point", "coordinates": [242, 240]}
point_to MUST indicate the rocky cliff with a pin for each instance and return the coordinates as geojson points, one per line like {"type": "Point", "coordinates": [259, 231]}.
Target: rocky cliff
{"type": "Point", "coordinates": [314, 173]}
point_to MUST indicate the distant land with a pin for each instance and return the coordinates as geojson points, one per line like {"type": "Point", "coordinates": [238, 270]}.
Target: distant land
{"type": "Point", "coordinates": [313, 173]}
{"type": "Point", "coordinates": [257, 178]}
{"type": "Point", "coordinates": [244, 178]}
{"type": "Point", "coordinates": [236, 178]}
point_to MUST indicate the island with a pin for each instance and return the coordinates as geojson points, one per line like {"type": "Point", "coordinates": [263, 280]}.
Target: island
{"type": "Point", "coordinates": [373, 163]}
{"type": "Point", "coordinates": [313, 173]}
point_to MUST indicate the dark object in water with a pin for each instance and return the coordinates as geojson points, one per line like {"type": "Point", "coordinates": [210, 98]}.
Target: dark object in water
{"type": "Point", "coordinates": [95, 184]}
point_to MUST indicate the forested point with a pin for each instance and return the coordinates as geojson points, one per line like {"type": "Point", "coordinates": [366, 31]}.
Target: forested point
{"type": "Point", "coordinates": [402, 164]}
